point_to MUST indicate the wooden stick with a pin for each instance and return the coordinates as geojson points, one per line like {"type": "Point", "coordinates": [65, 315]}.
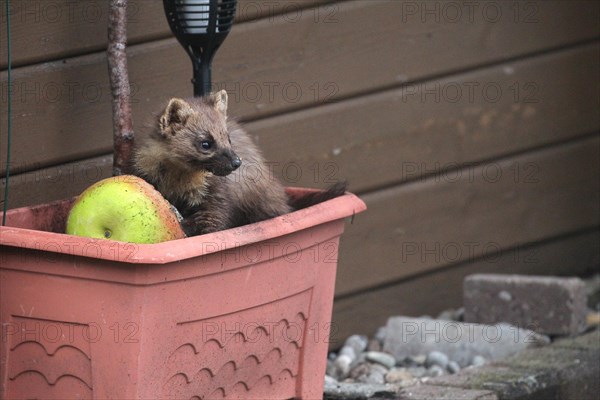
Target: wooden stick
{"type": "Point", "coordinates": [123, 135]}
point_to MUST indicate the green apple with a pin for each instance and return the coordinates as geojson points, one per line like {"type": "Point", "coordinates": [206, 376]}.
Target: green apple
{"type": "Point", "coordinates": [124, 208]}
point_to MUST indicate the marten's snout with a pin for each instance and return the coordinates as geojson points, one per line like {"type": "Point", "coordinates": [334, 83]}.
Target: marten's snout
{"type": "Point", "coordinates": [236, 162]}
{"type": "Point", "coordinates": [225, 163]}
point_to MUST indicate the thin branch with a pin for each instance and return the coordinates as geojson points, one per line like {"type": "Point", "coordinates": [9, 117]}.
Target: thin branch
{"type": "Point", "coordinates": [123, 135]}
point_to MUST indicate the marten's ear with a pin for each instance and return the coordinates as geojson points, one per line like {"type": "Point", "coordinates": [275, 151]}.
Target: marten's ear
{"type": "Point", "coordinates": [174, 116]}
{"type": "Point", "coordinates": [220, 100]}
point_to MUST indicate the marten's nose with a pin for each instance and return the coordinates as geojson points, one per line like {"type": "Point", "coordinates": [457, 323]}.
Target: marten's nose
{"type": "Point", "coordinates": [236, 162]}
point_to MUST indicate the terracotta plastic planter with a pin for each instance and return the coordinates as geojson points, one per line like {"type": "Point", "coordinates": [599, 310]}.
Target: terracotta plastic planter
{"type": "Point", "coordinates": [244, 313]}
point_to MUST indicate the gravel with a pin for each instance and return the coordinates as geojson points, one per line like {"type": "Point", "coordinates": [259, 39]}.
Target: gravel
{"type": "Point", "coordinates": [392, 359]}
{"type": "Point", "coordinates": [384, 364]}
{"type": "Point", "coordinates": [459, 341]}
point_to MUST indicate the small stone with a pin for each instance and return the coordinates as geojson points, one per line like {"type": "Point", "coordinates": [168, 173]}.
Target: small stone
{"type": "Point", "coordinates": [384, 359]}
{"type": "Point", "coordinates": [380, 334]}
{"type": "Point", "coordinates": [478, 361]}
{"type": "Point", "coordinates": [342, 363]}
{"type": "Point", "coordinates": [330, 368]}
{"type": "Point", "coordinates": [330, 385]}
{"type": "Point", "coordinates": [330, 381]}
{"type": "Point", "coordinates": [332, 356]}
{"type": "Point", "coordinates": [417, 372]}
{"type": "Point", "coordinates": [369, 373]}
{"type": "Point", "coordinates": [435, 370]}
{"type": "Point", "coordinates": [362, 358]}
{"type": "Point", "coordinates": [374, 377]}
{"type": "Point", "coordinates": [437, 358]}
{"type": "Point", "coordinates": [379, 368]}
{"type": "Point", "coordinates": [504, 295]}
{"type": "Point", "coordinates": [374, 345]}
{"type": "Point", "coordinates": [348, 351]}
{"type": "Point", "coordinates": [358, 343]}
{"type": "Point", "coordinates": [419, 359]}
{"type": "Point", "coordinates": [453, 367]}
{"type": "Point", "coordinates": [398, 375]}
{"type": "Point", "coordinates": [362, 369]}
{"type": "Point", "coordinates": [333, 370]}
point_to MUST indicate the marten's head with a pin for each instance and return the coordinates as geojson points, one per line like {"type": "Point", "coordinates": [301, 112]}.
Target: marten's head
{"type": "Point", "coordinates": [197, 135]}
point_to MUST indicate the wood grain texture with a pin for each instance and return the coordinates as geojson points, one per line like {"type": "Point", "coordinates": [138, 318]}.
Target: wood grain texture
{"type": "Point", "coordinates": [55, 183]}
{"type": "Point", "coordinates": [48, 30]}
{"type": "Point", "coordinates": [397, 135]}
{"type": "Point", "coordinates": [404, 134]}
{"type": "Point", "coordinates": [430, 294]}
{"type": "Point", "coordinates": [425, 225]}
{"type": "Point", "coordinates": [63, 107]}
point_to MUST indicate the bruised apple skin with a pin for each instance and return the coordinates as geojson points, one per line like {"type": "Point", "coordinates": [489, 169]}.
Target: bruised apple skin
{"type": "Point", "coordinates": [124, 208]}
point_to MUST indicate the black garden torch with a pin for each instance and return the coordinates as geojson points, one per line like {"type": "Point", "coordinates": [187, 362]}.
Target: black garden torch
{"type": "Point", "coordinates": [200, 26]}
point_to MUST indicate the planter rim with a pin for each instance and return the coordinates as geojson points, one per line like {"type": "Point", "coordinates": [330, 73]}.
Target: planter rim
{"type": "Point", "coordinates": [177, 250]}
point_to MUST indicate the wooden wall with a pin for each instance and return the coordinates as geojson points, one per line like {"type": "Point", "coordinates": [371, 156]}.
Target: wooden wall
{"type": "Point", "coordinates": [469, 128]}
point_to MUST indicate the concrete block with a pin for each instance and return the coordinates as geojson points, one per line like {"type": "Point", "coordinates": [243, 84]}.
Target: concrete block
{"type": "Point", "coordinates": [548, 305]}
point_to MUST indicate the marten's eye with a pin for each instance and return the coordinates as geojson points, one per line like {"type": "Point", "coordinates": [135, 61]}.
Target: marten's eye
{"type": "Point", "coordinates": [204, 143]}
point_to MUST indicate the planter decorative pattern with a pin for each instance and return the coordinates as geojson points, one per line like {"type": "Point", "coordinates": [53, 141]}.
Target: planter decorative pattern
{"type": "Point", "coordinates": [243, 313]}
{"type": "Point", "coordinates": [242, 366]}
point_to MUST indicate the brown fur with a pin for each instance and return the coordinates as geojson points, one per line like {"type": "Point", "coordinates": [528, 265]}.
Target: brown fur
{"type": "Point", "coordinates": [204, 184]}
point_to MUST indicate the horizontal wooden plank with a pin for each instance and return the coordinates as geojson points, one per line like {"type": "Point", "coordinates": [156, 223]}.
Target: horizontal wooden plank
{"type": "Point", "coordinates": [270, 66]}
{"type": "Point", "coordinates": [425, 225]}
{"type": "Point", "coordinates": [398, 135]}
{"type": "Point", "coordinates": [419, 129]}
{"type": "Point", "coordinates": [432, 293]}
{"type": "Point", "coordinates": [56, 183]}
{"type": "Point", "coordinates": [48, 30]}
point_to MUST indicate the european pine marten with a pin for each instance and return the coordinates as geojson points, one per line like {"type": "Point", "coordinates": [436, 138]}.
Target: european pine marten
{"type": "Point", "coordinates": [193, 157]}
